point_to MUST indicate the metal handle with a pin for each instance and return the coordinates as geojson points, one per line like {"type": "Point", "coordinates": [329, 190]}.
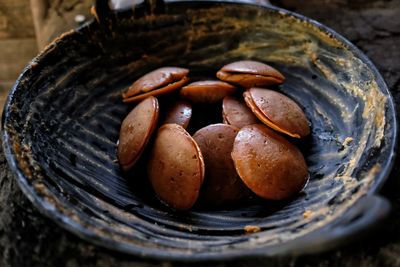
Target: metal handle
{"type": "Point", "coordinates": [105, 13]}
{"type": "Point", "coordinates": [124, 4]}
{"type": "Point", "coordinates": [104, 10]}
{"type": "Point", "coordinates": [127, 4]}
{"type": "Point", "coordinates": [357, 222]}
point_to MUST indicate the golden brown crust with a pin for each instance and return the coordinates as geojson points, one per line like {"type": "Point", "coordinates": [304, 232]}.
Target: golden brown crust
{"type": "Point", "coordinates": [136, 131]}
{"type": "Point", "coordinates": [222, 185]}
{"type": "Point", "coordinates": [249, 73]}
{"type": "Point", "coordinates": [155, 79]}
{"type": "Point", "coordinates": [277, 111]}
{"type": "Point", "coordinates": [268, 164]}
{"type": "Point", "coordinates": [236, 113]}
{"type": "Point", "coordinates": [179, 113]}
{"type": "Point", "coordinates": [164, 90]}
{"type": "Point", "coordinates": [248, 80]}
{"type": "Point", "coordinates": [176, 167]}
{"type": "Point", "coordinates": [256, 111]}
{"type": "Point", "coordinates": [207, 91]}
{"type": "Point", "coordinates": [252, 67]}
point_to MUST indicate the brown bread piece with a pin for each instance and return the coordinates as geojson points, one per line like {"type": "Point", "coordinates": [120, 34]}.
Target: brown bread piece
{"type": "Point", "coordinates": [158, 92]}
{"type": "Point", "coordinates": [207, 92]}
{"type": "Point", "coordinates": [156, 79]}
{"type": "Point", "coordinates": [268, 164]}
{"type": "Point", "coordinates": [236, 113]}
{"type": "Point", "coordinates": [179, 113]}
{"type": "Point", "coordinates": [248, 73]}
{"type": "Point", "coordinates": [136, 131]}
{"type": "Point", "coordinates": [222, 185]}
{"type": "Point", "coordinates": [277, 111]}
{"type": "Point", "coordinates": [176, 167]}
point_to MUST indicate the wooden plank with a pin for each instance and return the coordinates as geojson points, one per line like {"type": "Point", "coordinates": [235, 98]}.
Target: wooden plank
{"type": "Point", "coordinates": [11, 70]}
{"type": "Point", "coordinates": [14, 3]}
{"type": "Point", "coordinates": [4, 90]}
{"type": "Point", "coordinates": [5, 86]}
{"type": "Point", "coordinates": [15, 49]}
{"type": "Point", "coordinates": [14, 56]}
{"type": "Point", "coordinates": [16, 19]}
{"type": "Point", "coordinates": [53, 17]}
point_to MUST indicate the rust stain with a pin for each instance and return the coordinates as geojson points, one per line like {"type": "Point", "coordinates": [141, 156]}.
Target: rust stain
{"type": "Point", "coordinates": [93, 11]}
{"type": "Point", "coordinates": [308, 214]}
{"type": "Point", "coordinates": [49, 47]}
{"type": "Point", "coordinates": [251, 229]}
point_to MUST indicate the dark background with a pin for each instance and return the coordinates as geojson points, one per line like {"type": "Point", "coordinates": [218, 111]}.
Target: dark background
{"type": "Point", "coordinates": [29, 239]}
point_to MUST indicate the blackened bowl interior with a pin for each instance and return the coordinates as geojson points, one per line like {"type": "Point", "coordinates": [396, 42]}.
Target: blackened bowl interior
{"type": "Point", "coordinates": [62, 120]}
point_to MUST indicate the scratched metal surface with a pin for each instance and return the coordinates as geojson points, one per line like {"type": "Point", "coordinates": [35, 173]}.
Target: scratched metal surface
{"type": "Point", "coordinates": [62, 121]}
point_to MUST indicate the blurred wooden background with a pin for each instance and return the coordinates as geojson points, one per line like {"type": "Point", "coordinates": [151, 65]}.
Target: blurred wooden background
{"type": "Point", "coordinates": [26, 27]}
{"type": "Point", "coordinates": [17, 42]}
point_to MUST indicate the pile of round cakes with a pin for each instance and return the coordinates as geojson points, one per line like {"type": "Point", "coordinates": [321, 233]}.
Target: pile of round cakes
{"type": "Point", "coordinates": [222, 163]}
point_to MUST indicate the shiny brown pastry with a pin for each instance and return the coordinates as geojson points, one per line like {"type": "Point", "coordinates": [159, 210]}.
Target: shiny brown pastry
{"type": "Point", "coordinates": [277, 111]}
{"type": "Point", "coordinates": [248, 73]}
{"type": "Point", "coordinates": [136, 130]}
{"type": "Point", "coordinates": [207, 92]}
{"type": "Point", "coordinates": [179, 113]}
{"type": "Point", "coordinates": [236, 113]}
{"type": "Point", "coordinates": [158, 82]}
{"type": "Point", "coordinates": [176, 167]}
{"type": "Point", "coordinates": [267, 163]}
{"type": "Point", "coordinates": [222, 185]}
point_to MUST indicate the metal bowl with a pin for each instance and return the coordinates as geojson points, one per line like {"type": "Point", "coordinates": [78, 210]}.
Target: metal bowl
{"type": "Point", "coordinates": [62, 119]}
